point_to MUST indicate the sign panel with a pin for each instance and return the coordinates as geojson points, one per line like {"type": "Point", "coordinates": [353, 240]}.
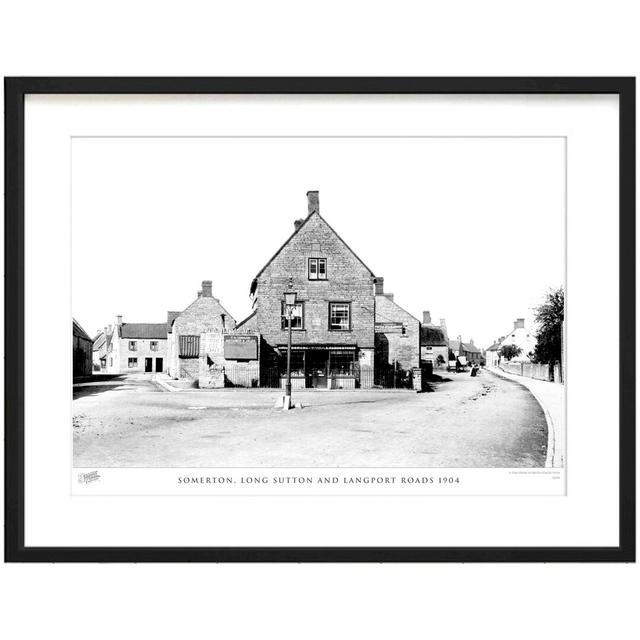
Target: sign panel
{"type": "Point", "coordinates": [241, 347]}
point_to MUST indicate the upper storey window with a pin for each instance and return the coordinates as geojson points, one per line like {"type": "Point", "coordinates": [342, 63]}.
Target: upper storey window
{"type": "Point", "coordinates": [317, 268]}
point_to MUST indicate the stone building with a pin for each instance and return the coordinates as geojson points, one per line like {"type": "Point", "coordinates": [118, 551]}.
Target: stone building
{"type": "Point", "coordinates": [467, 350]}
{"type": "Point", "coordinates": [82, 351]}
{"type": "Point", "coordinates": [397, 340]}
{"type": "Point", "coordinates": [205, 347]}
{"type": "Point", "coordinates": [137, 347]}
{"type": "Point", "coordinates": [434, 342]}
{"type": "Point", "coordinates": [204, 315]}
{"type": "Point", "coordinates": [333, 332]}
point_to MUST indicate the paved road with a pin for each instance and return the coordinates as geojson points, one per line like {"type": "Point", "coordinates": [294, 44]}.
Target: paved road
{"type": "Point", "coordinates": [464, 422]}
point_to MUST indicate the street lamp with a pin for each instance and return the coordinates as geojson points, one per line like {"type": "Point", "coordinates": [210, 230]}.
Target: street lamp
{"type": "Point", "coordinates": [290, 303]}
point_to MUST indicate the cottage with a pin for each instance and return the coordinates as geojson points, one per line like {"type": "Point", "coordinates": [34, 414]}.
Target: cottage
{"type": "Point", "coordinates": [333, 336]}
{"type": "Point", "coordinates": [466, 350]}
{"type": "Point", "coordinates": [519, 337]}
{"type": "Point", "coordinates": [100, 350]}
{"type": "Point", "coordinates": [492, 354]}
{"type": "Point", "coordinates": [82, 351]}
{"type": "Point", "coordinates": [136, 347]}
{"type": "Point", "coordinates": [434, 342]}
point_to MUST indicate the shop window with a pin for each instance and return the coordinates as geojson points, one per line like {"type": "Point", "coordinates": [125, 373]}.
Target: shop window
{"type": "Point", "coordinates": [297, 363]}
{"type": "Point", "coordinates": [342, 363]}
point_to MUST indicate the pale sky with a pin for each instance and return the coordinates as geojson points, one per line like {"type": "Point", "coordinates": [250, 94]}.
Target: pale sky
{"type": "Point", "coordinates": [472, 229]}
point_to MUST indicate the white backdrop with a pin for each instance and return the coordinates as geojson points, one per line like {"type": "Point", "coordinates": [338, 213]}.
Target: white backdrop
{"type": "Point", "coordinates": [373, 38]}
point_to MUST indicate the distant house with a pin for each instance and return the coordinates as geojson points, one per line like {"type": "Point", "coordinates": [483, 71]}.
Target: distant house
{"type": "Point", "coordinates": [137, 347]}
{"type": "Point", "coordinates": [492, 354]}
{"type": "Point", "coordinates": [519, 337]}
{"type": "Point", "coordinates": [434, 342]}
{"type": "Point", "coordinates": [82, 351]}
{"type": "Point", "coordinates": [100, 350]}
{"type": "Point", "coordinates": [467, 350]}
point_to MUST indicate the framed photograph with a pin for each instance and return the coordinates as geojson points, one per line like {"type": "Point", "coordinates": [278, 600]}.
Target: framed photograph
{"type": "Point", "coordinates": [320, 319]}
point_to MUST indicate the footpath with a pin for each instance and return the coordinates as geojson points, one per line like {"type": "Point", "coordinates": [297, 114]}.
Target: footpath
{"type": "Point", "coordinates": [550, 395]}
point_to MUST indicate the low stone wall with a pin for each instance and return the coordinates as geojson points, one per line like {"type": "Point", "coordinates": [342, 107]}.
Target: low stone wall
{"type": "Point", "coordinates": [530, 370]}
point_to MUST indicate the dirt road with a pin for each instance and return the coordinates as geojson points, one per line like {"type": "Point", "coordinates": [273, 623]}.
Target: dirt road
{"type": "Point", "coordinates": [128, 421]}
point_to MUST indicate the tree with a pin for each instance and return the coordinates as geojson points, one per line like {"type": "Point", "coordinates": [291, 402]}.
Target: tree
{"type": "Point", "coordinates": [549, 317]}
{"type": "Point", "coordinates": [510, 351]}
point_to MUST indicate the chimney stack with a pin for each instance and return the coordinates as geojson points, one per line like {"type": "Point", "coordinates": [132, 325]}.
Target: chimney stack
{"type": "Point", "coordinates": [206, 289]}
{"type": "Point", "coordinates": [118, 321]}
{"type": "Point", "coordinates": [518, 324]}
{"type": "Point", "coordinates": [426, 317]}
{"type": "Point", "coordinates": [379, 286]}
{"type": "Point", "coordinates": [313, 201]}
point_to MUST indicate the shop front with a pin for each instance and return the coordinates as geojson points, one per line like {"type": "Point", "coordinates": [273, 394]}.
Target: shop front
{"type": "Point", "coordinates": [321, 366]}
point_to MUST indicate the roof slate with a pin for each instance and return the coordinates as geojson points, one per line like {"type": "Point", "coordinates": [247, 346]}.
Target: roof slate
{"type": "Point", "coordinates": [432, 337]}
{"type": "Point", "coordinates": [143, 330]}
{"type": "Point", "coordinates": [454, 345]}
{"type": "Point", "coordinates": [171, 316]}
{"type": "Point", "coordinates": [79, 331]}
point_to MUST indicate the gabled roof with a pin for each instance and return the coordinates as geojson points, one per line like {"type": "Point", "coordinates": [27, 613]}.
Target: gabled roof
{"type": "Point", "coordinates": [79, 331]}
{"type": "Point", "coordinates": [432, 337]}
{"type": "Point", "coordinates": [143, 330]}
{"type": "Point", "coordinates": [99, 341]}
{"type": "Point", "coordinates": [171, 316]}
{"type": "Point", "coordinates": [296, 231]}
{"type": "Point", "coordinates": [456, 345]}
{"type": "Point", "coordinates": [251, 315]}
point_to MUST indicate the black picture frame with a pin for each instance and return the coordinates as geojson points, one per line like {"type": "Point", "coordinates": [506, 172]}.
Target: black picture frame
{"type": "Point", "coordinates": [15, 91]}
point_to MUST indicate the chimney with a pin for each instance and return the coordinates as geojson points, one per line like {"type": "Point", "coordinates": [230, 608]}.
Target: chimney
{"type": "Point", "coordinates": [118, 321]}
{"type": "Point", "coordinates": [426, 317]}
{"type": "Point", "coordinates": [470, 340]}
{"type": "Point", "coordinates": [313, 201]}
{"type": "Point", "coordinates": [379, 286]}
{"type": "Point", "coordinates": [443, 326]}
{"type": "Point", "coordinates": [518, 324]}
{"type": "Point", "coordinates": [206, 289]}
{"type": "Point", "coordinates": [298, 223]}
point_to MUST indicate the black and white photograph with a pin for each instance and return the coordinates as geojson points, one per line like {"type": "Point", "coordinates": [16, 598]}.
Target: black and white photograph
{"type": "Point", "coordinates": [363, 316]}
{"type": "Point", "coordinates": [318, 302]}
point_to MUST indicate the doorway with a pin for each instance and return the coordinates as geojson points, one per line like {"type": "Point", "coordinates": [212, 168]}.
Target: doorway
{"type": "Point", "coordinates": [148, 365]}
{"type": "Point", "coordinates": [317, 362]}
{"type": "Point", "coordinates": [158, 365]}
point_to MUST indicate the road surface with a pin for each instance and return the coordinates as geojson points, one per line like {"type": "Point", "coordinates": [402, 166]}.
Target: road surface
{"type": "Point", "coordinates": [486, 421]}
